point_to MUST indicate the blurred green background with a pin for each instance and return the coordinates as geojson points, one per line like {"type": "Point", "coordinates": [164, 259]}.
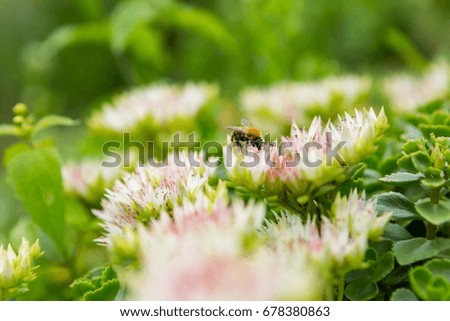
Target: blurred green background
{"type": "Point", "coordinates": [68, 56]}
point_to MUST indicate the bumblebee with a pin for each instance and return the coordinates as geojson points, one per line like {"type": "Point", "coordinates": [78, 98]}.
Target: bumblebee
{"type": "Point", "coordinates": [246, 135]}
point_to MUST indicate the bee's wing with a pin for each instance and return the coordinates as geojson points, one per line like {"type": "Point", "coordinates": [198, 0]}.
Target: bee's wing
{"type": "Point", "coordinates": [235, 128]}
{"type": "Point", "coordinates": [246, 122]}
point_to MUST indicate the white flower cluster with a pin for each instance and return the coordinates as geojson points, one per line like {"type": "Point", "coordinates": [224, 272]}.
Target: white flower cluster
{"type": "Point", "coordinates": [144, 194]}
{"type": "Point", "coordinates": [275, 169]}
{"type": "Point", "coordinates": [153, 106]}
{"type": "Point", "coordinates": [408, 92]}
{"type": "Point", "coordinates": [17, 269]}
{"type": "Point", "coordinates": [338, 242]}
{"type": "Point", "coordinates": [191, 241]}
{"type": "Point", "coordinates": [285, 102]}
{"type": "Point", "coordinates": [89, 180]}
{"type": "Point", "coordinates": [200, 255]}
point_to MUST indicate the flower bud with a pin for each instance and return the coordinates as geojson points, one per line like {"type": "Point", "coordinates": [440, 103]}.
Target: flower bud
{"type": "Point", "coordinates": [20, 109]}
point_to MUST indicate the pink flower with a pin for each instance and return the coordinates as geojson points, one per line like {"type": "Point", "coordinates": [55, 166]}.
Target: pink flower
{"type": "Point", "coordinates": [306, 161]}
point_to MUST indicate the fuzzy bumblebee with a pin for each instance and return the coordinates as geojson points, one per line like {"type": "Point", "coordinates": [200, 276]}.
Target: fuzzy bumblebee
{"type": "Point", "coordinates": [246, 136]}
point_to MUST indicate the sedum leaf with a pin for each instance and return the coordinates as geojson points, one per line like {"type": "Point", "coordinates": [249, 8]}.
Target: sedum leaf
{"type": "Point", "coordinates": [419, 249]}
{"type": "Point", "coordinates": [402, 208]}
{"type": "Point", "coordinates": [438, 130]}
{"type": "Point", "coordinates": [433, 182]}
{"type": "Point", "coordinates": [421, 161]}
{"type": "Point", "coordinates": [361, 290]}
{"type": "Point", "coordinates": [383, 266]}
{"type": "Point", "coordinates": [396, 232]}
{"type": "Point", "coordinates": [401, 179]}
{"type": "Point", "coordinates": [429, 286]}
{"type": "Point", "coordinates": [403, 294]}
{"type": "Point", "coordinates": [99, 284]}
{"type": "Point", "coordinates": [53, 121]}
{"type": "Point", "coordinates": [35, 175]}
{"type": "Point", "coordinates": [439, 267]}
{"type": "Point", "coordinates": [436, 214]}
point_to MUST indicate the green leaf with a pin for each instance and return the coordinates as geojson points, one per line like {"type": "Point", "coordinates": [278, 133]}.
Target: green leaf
{"type": "Point", "coordinates": [361, 290]}
{"type": "Point", "coordinates": [413, 145]}
{"type": "Point", "coordinates": [36, 178]}
{"type": "Point", "coordinates": [82, 285]}
{"type": "Point", "coordinates": [8, 130]}
{"type": "Point", "coordinates": [371, 255]}
{"type": "Point", "coordinates": [203, 23]}
{"type": "Point", "coordinates": [418, 249]}
{"type": "Point", "coordinates": [404, 47]}
{"type": "Point", "coordinates": [431, 107]}
{"type": "Point", "coordinates": [99, 284]}
{"type": "Point", "coordinates": [439, 267]}
{"type": "Point", "coordinates": [399, 275]}
{"type": "Point", "coordinates": [77, 215]}
{"type": "Point", "coordinates": [436, 214]}
{"type": "Point", "coordinates": [421, 161]}
{"type": "Point", "coordinates": [53, 121]}
{"type": "Point", "coordinates": [401, 179]}
{"type": "Point", "coordinates": [428, 286]}
{"type": "Point", "coordinates": [41, 56]}
{"type": "Point", "coordinates": [396, 232]}
{"type": "Point", "coordinates": [403, 294]}
{"type": "Point", "coordinates": [433, 182]}
{"type": "Point", "coordinates": [440, 118]}
{"type": "Point", "coordinates": [11, 151]}
{"type": "Point", "coordinates": [147, 47]}
{"type": "Point", "coordinates": [383, 266]}
{"type": "Point", "coordinates": [402, 208]}
{"type": "Point", "coordinates": [107, 292]}
{"type": "Point", "coordinates": [438, 130]}
{"type": "Point", "coordinates": [406, 162]}
{"type": "Point", "coordinates": [128, 15]}
{"type": "Point", "coordinates": [356, 275]}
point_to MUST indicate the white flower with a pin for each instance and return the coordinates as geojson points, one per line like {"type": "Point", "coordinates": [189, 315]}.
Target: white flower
{"type": "Point", "coordinates": [251, 176]}
{"type": "Point", "coordinates": [153, 106]}
{"type": "Point", "coordinates": [202, 255]}
{"type": "Point", "coordinates": [408, 92]}
{"type": "Point", "coordinates": [17, 270]}
{"type": "Point", "coordinates": [143, 195]}
{"type": "Point", "coordinates": [339, 242]}
{"type": "Point", "coordinates": [275, 107]}
{"type": "Point", "coordinates": [89, 179]}
{"type": "Point", "coordinates": [307, 160]}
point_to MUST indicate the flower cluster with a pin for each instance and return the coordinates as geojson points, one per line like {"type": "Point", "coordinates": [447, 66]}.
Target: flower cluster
{"type": "Point", "coordinates": [301, 101]}
{"type": "Point", "coordinates": [407, 92]}
{"type": "Point", "coordinates": [144, 194]}
{"type": "Point", "coordinates": [153, 107]}
{"type": "Point", "coordinates": [305, 162]}
{"type": "Point", "coordinates": [213, 255]}
{"type": "Point", "coordinates": [190, 240]}
{"type": "Point", "coordinates": [88, 180]}
{"type": "Point", "coordinates": [17, 269]}
{"type": "Point", "coordinates": [338, 242]}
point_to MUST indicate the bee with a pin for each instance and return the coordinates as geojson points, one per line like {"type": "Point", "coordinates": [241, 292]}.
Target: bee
{"type": "Point", "coordinates": [246, 135]}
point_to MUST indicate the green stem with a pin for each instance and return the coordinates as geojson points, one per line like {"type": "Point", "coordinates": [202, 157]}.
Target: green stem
{"type": "Point", "coordinates": [431, 228]}
{"type": "Point", "coordinates": [341, 286]}
{"type": "Point", "coordinates": [434, 195]}
{"type": "Point", "coordinates": [431, 231]}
